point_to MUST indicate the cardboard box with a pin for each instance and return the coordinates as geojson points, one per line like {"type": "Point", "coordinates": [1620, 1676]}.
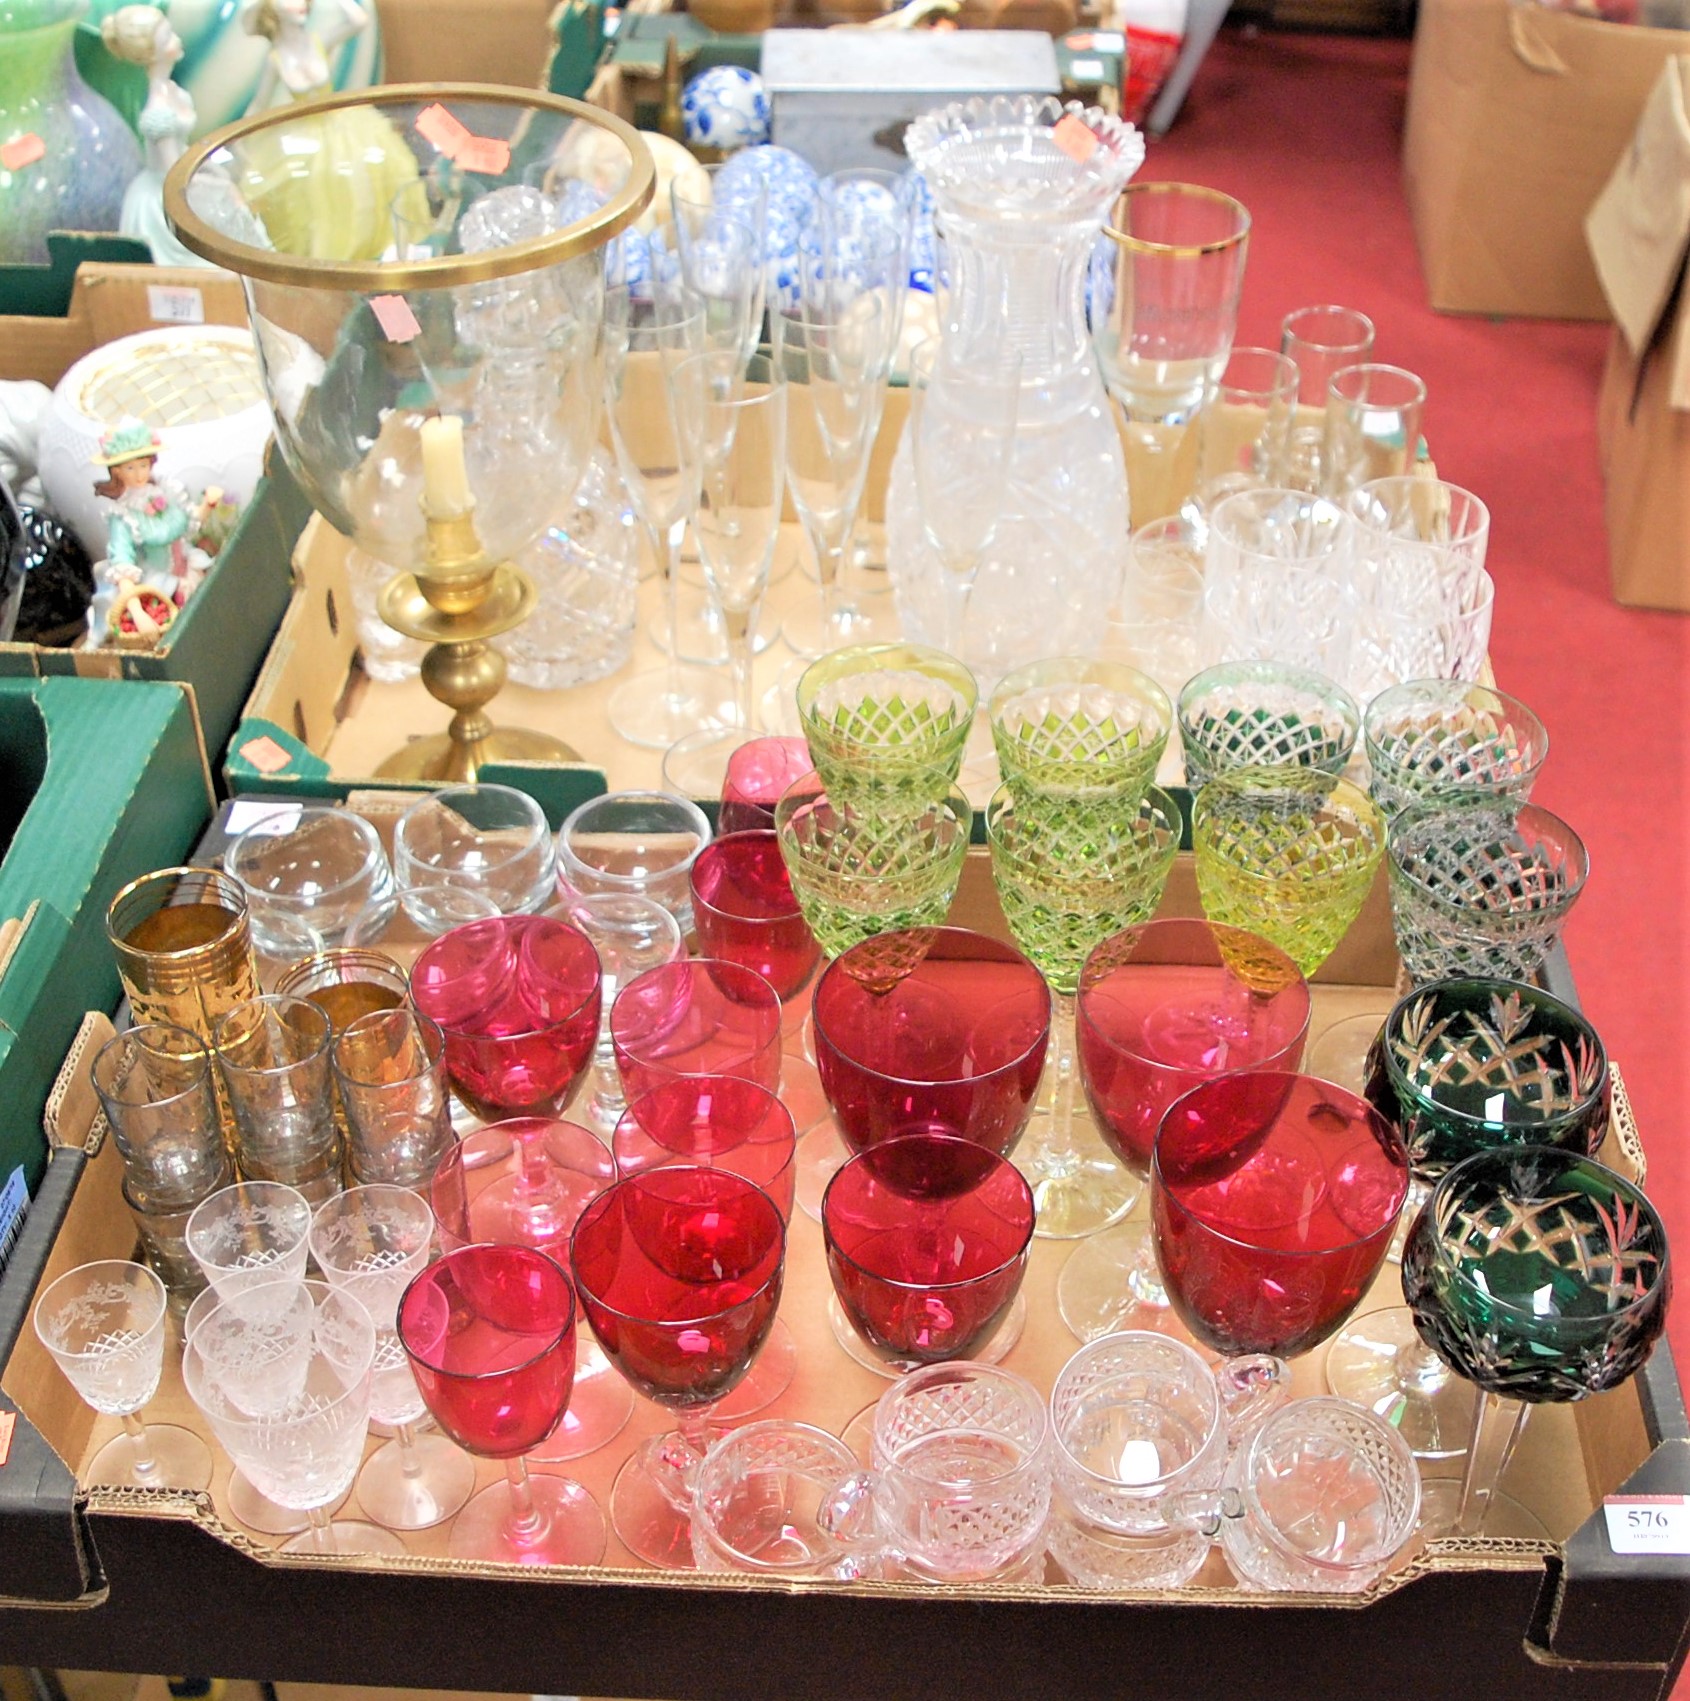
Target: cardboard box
{"type": "Point", "coordinates": [1515, 1619]}
{"type": "Point", "coordinates": [1639, 234]}
{"type": "Point", "coordinates": [106, 781]}
{"type": "Point", "coordinates": [1516, 115]}
{"type": "Point", "coordinates": [445, 41]}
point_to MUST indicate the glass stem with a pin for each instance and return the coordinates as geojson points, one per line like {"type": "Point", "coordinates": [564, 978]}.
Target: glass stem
{"type": "Point", "coordinates": [667, 548]}
{"type": "Point", "coordinates": [738, 623]}
{"type": "Point", "coordinates": [321, 1529]}
{"type": "Point", "coordinates": [1496, 1428]}
{"type": "Point", "coordinates": [409, 1464]}
{"type": "Point", "coordinates": [526, 1519]}
{"type": "Point", "coordinates": [830, 559]}
{"type": "Point", "coordinates": [1060, 1140]}
{"type": "Point", "coordinates": [143, 1458]}
{"type": "Point", "coordinates": [694, 1425]}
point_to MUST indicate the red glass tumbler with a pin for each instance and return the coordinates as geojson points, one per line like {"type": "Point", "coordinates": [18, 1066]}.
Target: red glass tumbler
{"type": "Point", "coordinates": [525, 1182]}
{"type": "Point", "coordinates": [927, 1239]}
{"type": "Point", "coordinates": [679, 1272]}
{"type": "Point", "coordinates": [490, 1332]}
{"type": "Point", "coordinates": [744, 911]}
{"type": "Point", "coordinates": [1273, 1198]}
{"type": "Point", "coordinates": [934, 1030]}
{"type": "Point", "coordinates": [758, 772]}
{"type": "Point", "coordinates": [518, 999]}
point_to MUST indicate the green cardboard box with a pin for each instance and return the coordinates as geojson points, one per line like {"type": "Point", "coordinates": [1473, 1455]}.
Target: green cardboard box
{"type": "Point", "coordinates": [103, 780]}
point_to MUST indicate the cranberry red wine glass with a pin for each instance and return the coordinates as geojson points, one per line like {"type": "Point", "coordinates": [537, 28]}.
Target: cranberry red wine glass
{"type": "Point", "coordinates": [927, 1238]}
{"type": "Point", "coordinates": [525, 1182]}
{"type": "Point", "coordinates": [1273, 1199]}
{"type": "Point", "coordinates": [700, 1017]}
{"type": "Point", "coordinates": [518, 999]}
{"type": "Point", "coordinates": [759, 771]}
{"type": "Point", "coordinates": [936, 1030]}
{"type": "Point", "coordinates": [722, 1122]}
{"type": "Point", "coordinates": [491, 1335]}
{"type": "Point", "coordinates": [744, 910]}
{"type": "Point", "coordinates": [1161, 1008]}
{"type": "Point", "coordinates": [679, 1272]}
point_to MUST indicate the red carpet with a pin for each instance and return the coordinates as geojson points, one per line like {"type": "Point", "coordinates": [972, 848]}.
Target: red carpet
{"type": "Point", "coordinates": [1306, 131]}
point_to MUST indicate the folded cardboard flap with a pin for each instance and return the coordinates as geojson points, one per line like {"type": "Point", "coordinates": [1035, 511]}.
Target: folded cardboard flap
{"type": "Point", "coordinates": [1639, 227]}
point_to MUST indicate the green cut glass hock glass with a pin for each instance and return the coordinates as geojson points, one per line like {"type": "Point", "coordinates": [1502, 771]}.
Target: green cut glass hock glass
{"type": "Point", "coordinates": [1070, 726]}
{"type": "Point", "coordinates": [1070, 872]}
{"type": "Point", "coordinates": [887, 721]}
{"type": "Point", "coordinates": [1265, 714]}
{"type": "Point", "coordinates": [1444, 738]}
{"type": "Point", "coordinates": [1288, 853]}
{"type": "Point", "coordinates": [859, 871]}
{"type": "Point", "coordinates": [1465, 1066]}
{"type": "Point", "coordinates": [1540, 1276]}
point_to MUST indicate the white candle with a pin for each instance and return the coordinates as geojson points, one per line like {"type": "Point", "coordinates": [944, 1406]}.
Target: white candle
{"type": "Point", "coordinates": [445, 480]}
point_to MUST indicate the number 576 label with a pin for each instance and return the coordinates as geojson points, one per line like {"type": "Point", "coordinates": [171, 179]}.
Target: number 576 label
{"type": "Point", "coordinates": [1648, 1523]}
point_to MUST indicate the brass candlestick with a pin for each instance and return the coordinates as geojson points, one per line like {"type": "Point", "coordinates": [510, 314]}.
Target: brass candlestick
{"type": "Point", "coordinates": [459, 602]}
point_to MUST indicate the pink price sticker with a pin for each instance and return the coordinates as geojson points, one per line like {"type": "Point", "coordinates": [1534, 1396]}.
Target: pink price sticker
{"type": "Point", "coordinates": [484, 154]}
{"type": "Point", "coordinates": [22, 150]}
{"type": "Point", "coordinates": [1075, 138]}
{"type": "Point", "coordinates": [393, 313]}
{"type": "Point", "coordinates": [435, 124]}
{"type": "Point", "coordinates": [8, 1422]}
{"type": "Point", "coordinates": [265, 754]}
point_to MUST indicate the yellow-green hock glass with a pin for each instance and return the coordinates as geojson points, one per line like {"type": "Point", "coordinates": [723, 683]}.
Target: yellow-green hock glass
{"type": "Point", "coordinates": [1072, 726]}
{"type": "Point", "coordinates": [1286, 853]}
{"type": "Point", "coordinates": [887, 721]}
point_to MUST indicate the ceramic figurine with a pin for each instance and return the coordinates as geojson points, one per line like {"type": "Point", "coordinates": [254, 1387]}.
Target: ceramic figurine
{"type": "Point", "coordinates": [142, 36]}
{"type": "Point", "coordinates": [340, 207]}
{"type": "Point", "coordinates": [725, 108]}
{"type": "Point", "coordinates": [149, 527]}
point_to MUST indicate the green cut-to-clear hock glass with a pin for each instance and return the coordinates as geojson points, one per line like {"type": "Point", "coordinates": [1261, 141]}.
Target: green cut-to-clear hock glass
{"type": "Point", "coordinates": [1070, 726]}
{"type": "Point", "coordinates": [887, 723]}
{"type": "Point", "coordinates": [1288, 853]}
{"type": "Point", "coordinates": [858, 870]}
{"type": "Point", "coordinates": [1070, 872]}
{"type": "Point", "coordinates": [1540, 1276]}
{"type": "Point", "coordinates": [1463, 1067]}
{"type": "Point", "coordinates": [1444, 738]}
{"type": "Point", "coordinates": [1265, 714]}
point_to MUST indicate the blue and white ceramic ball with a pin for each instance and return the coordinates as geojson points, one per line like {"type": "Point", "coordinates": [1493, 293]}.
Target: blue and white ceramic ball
{"type": "Point", "coordinates": [725, 107]}
{"type": "Point", "coordinates": [924, 234]}
{"type": "Point", "coordinates": [791, 180]}
{"type": "Point", "coordinates": [627, 257]}
{"type": "Point", "coordinates": [784, 259]}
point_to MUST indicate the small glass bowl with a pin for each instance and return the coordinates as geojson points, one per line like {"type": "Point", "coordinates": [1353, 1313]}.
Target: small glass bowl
{"type": "Point", "coordinates": [310, 875]}
{"type": "Point", "coordinates": [492, 841]}
{"type": "Point", "coordinates": [633, 844]}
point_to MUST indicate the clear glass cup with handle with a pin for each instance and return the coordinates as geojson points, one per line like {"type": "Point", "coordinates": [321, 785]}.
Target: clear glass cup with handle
{"type": "Point", "coordinates": [104, 1325]}
{"type": "Point", "coordinates": [369, 1242]}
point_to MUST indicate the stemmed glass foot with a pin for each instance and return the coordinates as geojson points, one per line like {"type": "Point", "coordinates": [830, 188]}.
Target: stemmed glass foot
{"type": "Point", "coordinates": [342, 1535]}
{"type": "Point", "coordinates": [156, 1455]}
{"type": "Point", "coordinates": [769, 1377]}
{"type": "Point", "coordinates": [1379, 1361]}
{"type": "Point", "coordinates": [416, 1487]}
{"type": "Point", "coordinates": [1079, 1186]}
{"type": "Point", "coordinates": [600, 1404]}
{"type": "Point", "coordinates": [1111, 1282]}
{"type": "Point", "coordinates": [661, 706]}
{"type": "Point", "coordinates": [259, 1512]}
{"type": "Point", "coordinates": [650, 1522]}
{"type": "Point", "coordinates": [532, 1518]}
{"type": "Point", "coordinates": [871, 619]}
{"type": "Point", "coordinates": [821, 1152]}
{"type": "Point", "coordinates": [1440, 1500]}
{"type": "Point", "coordinates": [996, 1347]}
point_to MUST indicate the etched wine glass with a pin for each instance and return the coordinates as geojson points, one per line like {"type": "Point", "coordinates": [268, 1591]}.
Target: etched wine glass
{"type": "Point", "coordinates": [104, 1324]}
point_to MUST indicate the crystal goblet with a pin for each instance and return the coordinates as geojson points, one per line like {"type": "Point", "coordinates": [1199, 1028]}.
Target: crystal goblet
{"type": "Point", "coordinates": [490, 1331]}
{"type": "Point", "coordinates": [1447, 739]}
{"type": "Point", "coordinates": [1070, 872]}
{"type": "Point", "coordinates": [525, 1182]}
{"type": "Point", "coordinates": [1540, 1276]}
{"type": "Point", "coordinates": [1264, 715]}
{"type": "Point", "coordinates": [1287, 853]}
{"type": "Point", "coordinates": [1273, 1198]}
{"type": "Point", "coordinates": [371, 1242]}
{"type": "Point", "coordinates": [1163, 1007]}
{"type": "Point", "coordinates": [250, 1236]}
{"type": "Point", "coordinates": [1464, 1066]}
{"type": "Point", "coordinates": [679, 1270]}
{"type": "Point", "coordinates": [759, 772]}
{"type": "Point", "coordinates": [699, 1017]}
{"type": "Point", "coordinates": [518, 1000]}
{"type": "Point", "coordinates": [1481, 888]}
{"type": "Point", "coordinates": [104, 1325]}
